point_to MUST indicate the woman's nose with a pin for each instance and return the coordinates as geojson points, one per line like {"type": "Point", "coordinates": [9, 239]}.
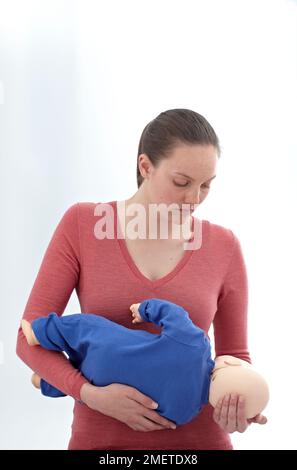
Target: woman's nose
{"type": "Point", "coordinates": [193, 198]}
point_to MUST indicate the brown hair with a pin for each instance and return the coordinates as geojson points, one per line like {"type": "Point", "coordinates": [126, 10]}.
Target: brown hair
{"type": "Point", "coordinates": [170, 128]}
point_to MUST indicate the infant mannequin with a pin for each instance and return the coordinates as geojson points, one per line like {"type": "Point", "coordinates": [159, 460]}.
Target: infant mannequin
{"type": "Point", "coordinates": [181, 347]}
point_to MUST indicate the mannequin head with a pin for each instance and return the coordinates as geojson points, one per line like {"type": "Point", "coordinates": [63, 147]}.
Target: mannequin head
{"type": "Point", "coordinates": [233, 375]}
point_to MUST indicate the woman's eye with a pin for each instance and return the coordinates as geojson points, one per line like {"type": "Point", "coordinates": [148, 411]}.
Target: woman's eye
{"type": "Point", "coordinates": [180, 185]}
{"type": "Point", "coordinates": [204, 186]}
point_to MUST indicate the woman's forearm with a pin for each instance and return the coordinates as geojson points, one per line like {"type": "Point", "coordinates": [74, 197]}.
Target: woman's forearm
{"type": "Point", "coordinates": [52, 366]}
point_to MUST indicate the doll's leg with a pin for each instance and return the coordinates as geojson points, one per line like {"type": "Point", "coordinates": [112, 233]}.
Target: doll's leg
{"type": "Point", "coordinates": [29, 333]}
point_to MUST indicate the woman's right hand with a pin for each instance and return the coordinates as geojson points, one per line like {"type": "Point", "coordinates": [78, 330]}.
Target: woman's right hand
{"type": "Point", "coordinates": [126, 404]}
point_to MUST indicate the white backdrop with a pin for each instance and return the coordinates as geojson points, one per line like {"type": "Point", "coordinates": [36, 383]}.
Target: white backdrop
{"type": "Point", "coordinates": [79, 80]}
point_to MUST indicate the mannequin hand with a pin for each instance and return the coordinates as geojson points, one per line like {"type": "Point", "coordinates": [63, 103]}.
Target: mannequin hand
{"type": "Point", "coordinates": [229, 414]}
{"type": "Point", "coordinates": [135, 313]}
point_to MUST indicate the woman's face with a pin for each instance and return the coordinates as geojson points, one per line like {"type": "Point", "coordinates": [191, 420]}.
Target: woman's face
{"type": "Point", "coordinates": [183, 178]}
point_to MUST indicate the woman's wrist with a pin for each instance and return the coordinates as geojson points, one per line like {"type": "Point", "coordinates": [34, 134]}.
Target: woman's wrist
{"type": "Point", "coordinates": [85, 392]}
{"type": "Point", "coordinates": [89, 395]}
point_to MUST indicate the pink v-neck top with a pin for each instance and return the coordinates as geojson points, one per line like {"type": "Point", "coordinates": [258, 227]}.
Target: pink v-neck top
{"type": "Point", "coordinates": [210, 283]}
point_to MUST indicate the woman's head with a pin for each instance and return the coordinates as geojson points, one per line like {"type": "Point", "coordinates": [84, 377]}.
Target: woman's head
{"type": "Point", "coordinates": [177, 141]}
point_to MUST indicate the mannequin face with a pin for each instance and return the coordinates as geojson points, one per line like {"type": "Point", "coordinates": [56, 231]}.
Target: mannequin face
{"type": "Point", "coordinates": [221, 362]}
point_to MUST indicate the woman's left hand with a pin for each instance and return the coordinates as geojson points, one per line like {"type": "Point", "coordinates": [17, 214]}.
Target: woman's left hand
{"type": "Point", "coordinates": [229, 414]}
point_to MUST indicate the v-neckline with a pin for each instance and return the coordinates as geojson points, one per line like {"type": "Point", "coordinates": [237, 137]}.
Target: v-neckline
{"type": "Point", "coordinates": [152, 284]}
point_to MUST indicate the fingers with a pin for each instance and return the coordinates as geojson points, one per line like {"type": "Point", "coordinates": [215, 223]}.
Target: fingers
{"type": "Point", "coordinates": [259, 419]}
{"type": "Point", "coordinates": [262, 420]}
{"type": "Point", "coordinates": [159, 420]}
{"type": "Point", "coordinates": [232, 413]}
{"type": "Point", "coordinates": [242, 422]}
{"type": "Point", "coordinates": [220, 414]}
{"type": "Point", "coordinates": [136, 316]}
{"type": "Point", "coordinates": [142, 399]}
{"type": "Point", "coordinates": [154, 420]}
{"type": "Point", "coordinates": [136, 320]}
{"type": "Point", "coordinates": [224, 411]}
{"type": "Point", "coordinates": [217, 411]}
{"type": "Point", "coordinates": [229, 413]}
{"type": "Point", "coordinates": [145, 424]}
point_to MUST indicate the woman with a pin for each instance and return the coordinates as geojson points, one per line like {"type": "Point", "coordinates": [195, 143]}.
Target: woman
{"type": "Point", "coordinates": [177, 159]}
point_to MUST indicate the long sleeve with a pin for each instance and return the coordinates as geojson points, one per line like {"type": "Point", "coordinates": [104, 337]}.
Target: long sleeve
{"type": "Point", "coordinates": [50, 331]}
{"type": "Point", "coordinates": [59, 334]}
{"type": "Point", "coordinates": [173, 319]}
{"type": "Point", "coordinates": [57, 277]}
{"type": "Point", "coordinates": [231, 321]}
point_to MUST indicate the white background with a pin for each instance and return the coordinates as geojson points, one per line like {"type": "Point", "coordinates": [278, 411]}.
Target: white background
{"type": "Point", "coordinates": [79, 80]}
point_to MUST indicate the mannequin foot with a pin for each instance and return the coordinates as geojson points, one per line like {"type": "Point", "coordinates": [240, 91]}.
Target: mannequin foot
{"type": "Point", "coordinates": [35, 379]}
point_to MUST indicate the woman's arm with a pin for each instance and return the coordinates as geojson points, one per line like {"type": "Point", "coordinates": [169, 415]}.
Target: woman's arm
{"type": "Point", "coordinates": [231, 338]}
{"type": "Point", "coordinates": [231, 319]}
{"type": "Point", "coordinates": [57, 277]}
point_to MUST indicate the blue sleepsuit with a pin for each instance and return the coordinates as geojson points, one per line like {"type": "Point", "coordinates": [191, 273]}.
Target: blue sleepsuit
{"type": "Point", "coordinates": [173, 368]}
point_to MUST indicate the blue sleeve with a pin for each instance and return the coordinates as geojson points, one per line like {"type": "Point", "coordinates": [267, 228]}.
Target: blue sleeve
{"type": "Point", "coordinates": [60, 333]}
{"type": "Point", "coordinates": [173, 319]}
{"type": "Point", "coordinates": [65, 334]}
